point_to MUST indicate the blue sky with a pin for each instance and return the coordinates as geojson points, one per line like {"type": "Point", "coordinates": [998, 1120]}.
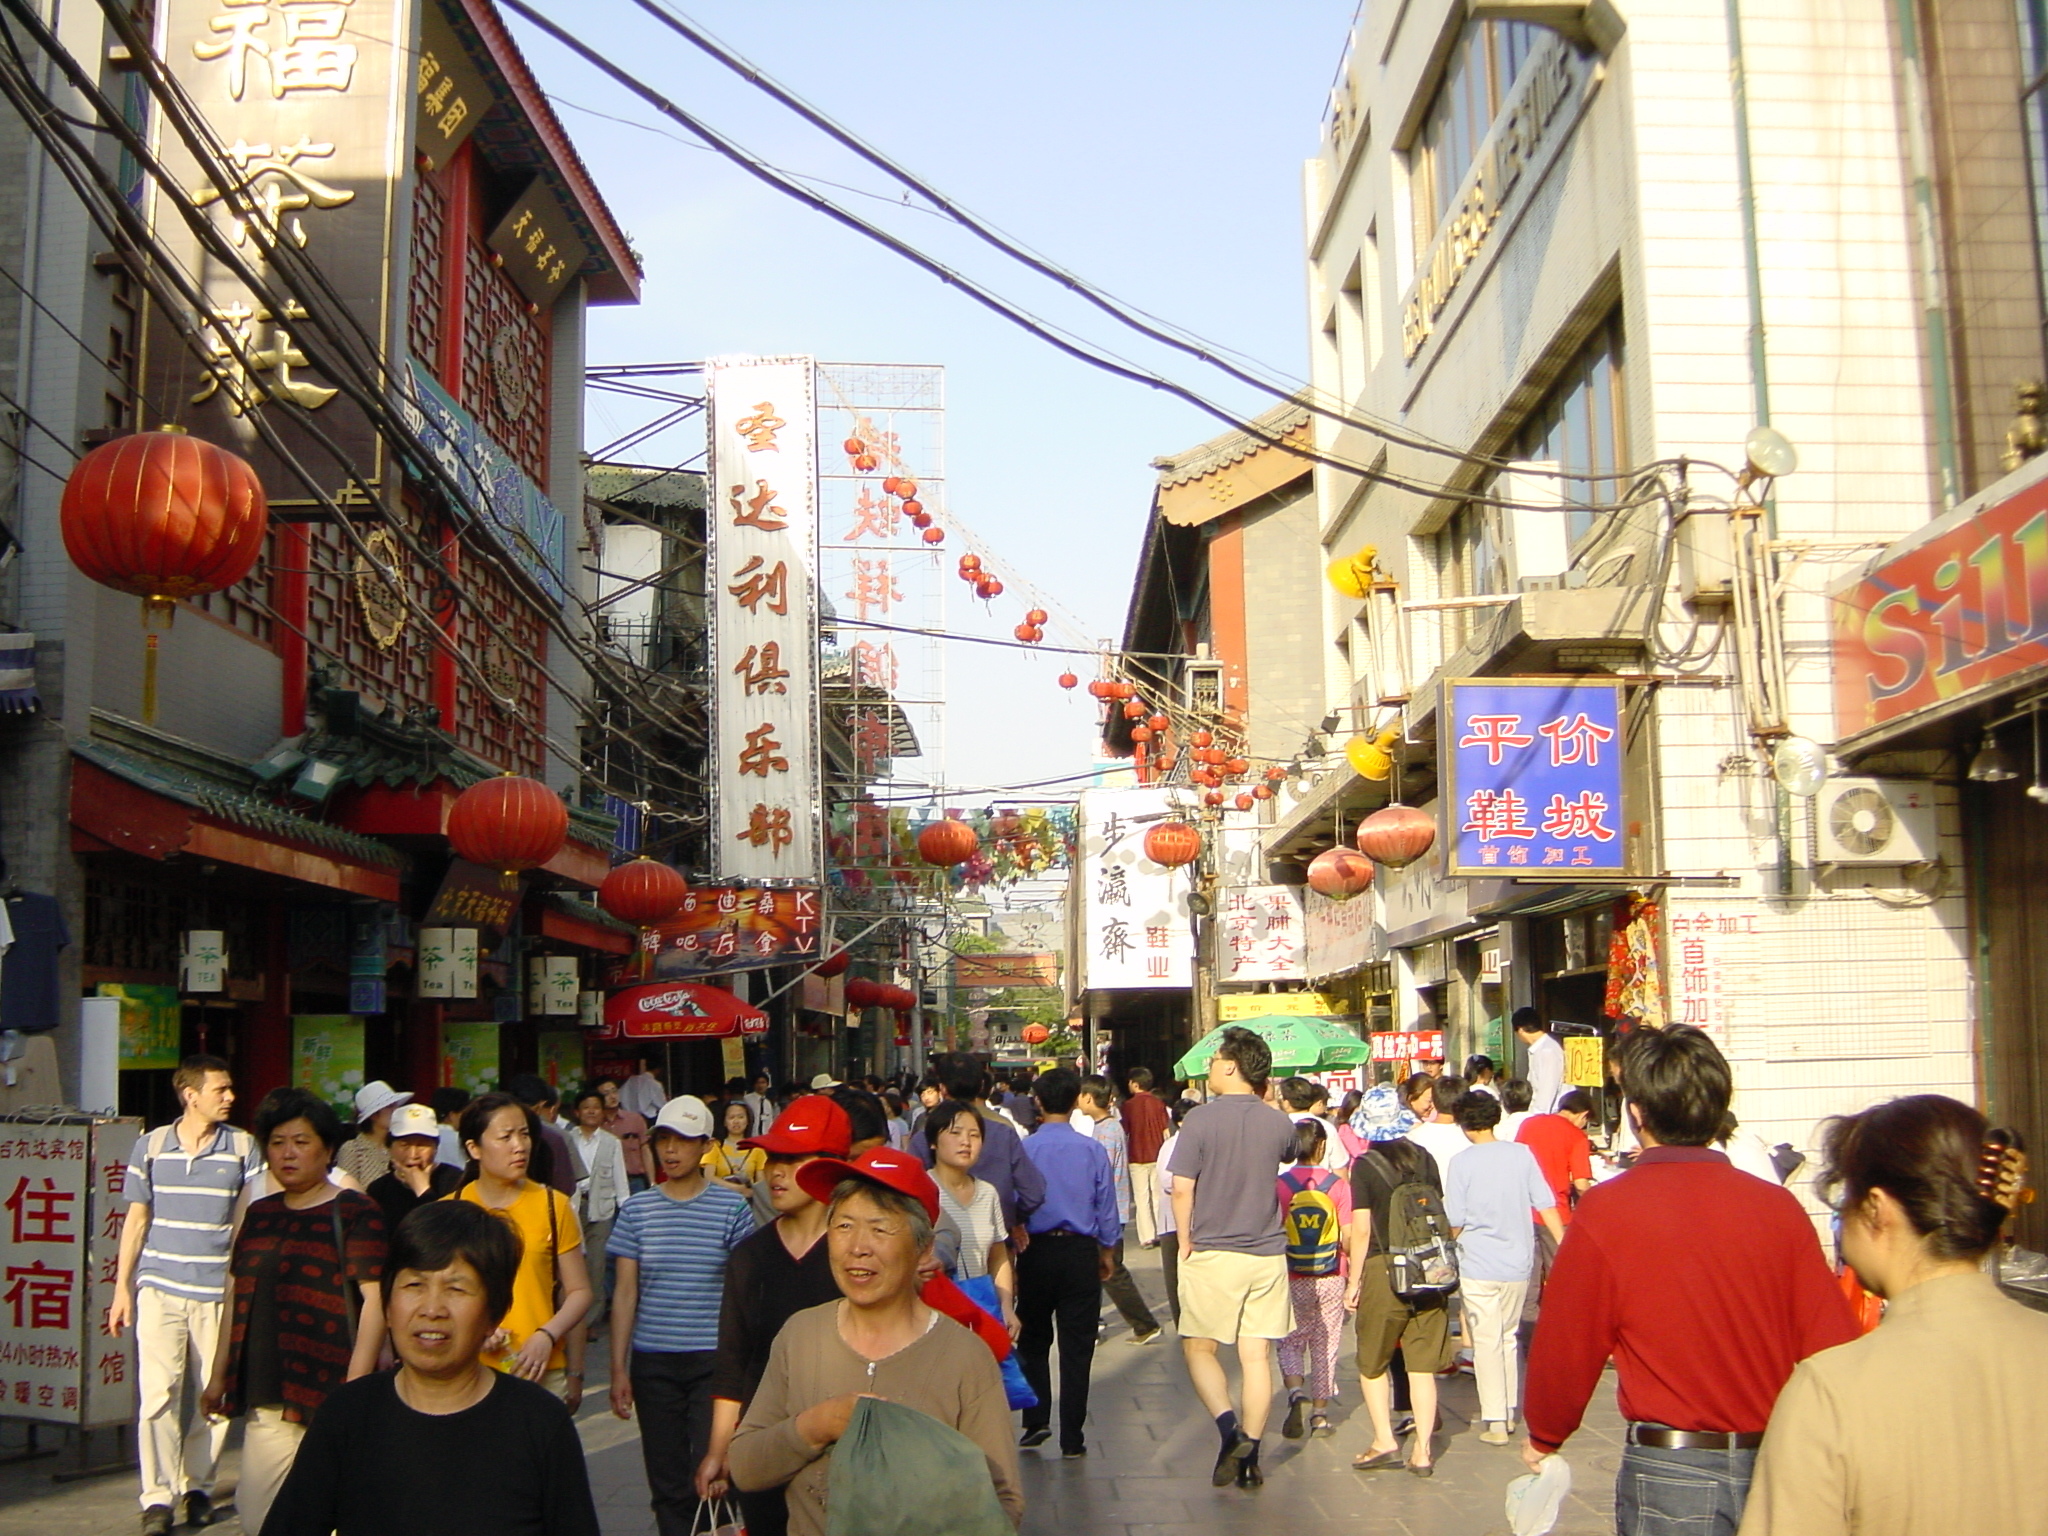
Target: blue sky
{"type": "Point", "coordinates": [1154, 148]}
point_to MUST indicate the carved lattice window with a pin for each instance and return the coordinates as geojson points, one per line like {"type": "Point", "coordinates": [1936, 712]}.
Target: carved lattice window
{"type": "Point", "coordinates": [429, 255]}
{"type": "Point", "coordinates": [505, 365]}
{"type": "Point", "coordinates": [401, 674]}
{"type": "Point", "coordinates": [503, 638]}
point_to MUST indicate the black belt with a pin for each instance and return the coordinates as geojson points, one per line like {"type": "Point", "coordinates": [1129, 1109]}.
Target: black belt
{"type": "Point", "coordinates": [1661, 1437]}
{"type": "Point", "coordinates": [1059, 1232]}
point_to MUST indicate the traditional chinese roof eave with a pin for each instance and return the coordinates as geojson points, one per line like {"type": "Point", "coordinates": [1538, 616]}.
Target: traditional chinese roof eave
{"type": "Point", "coordinates": [1287, 421]}
{"type": "Point", "coordinates": [619, 283]}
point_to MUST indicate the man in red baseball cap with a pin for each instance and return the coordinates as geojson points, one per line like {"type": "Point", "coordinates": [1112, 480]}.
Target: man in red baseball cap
{"type": "Point", "coordinates": [775, 1274]}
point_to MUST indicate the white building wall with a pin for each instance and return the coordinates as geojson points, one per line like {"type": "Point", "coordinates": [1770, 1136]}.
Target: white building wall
{"type": "Point", "coordinates": [1828, 994]}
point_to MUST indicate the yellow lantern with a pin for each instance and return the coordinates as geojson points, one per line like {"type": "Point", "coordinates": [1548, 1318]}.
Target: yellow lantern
{"type": "Point", "coordinates": [1372, 757]}
{"type": "Point", "coordinates": [1353, 575]}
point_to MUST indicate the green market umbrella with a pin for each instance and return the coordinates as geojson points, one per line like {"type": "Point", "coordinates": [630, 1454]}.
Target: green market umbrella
{"type": "Point", "coordinates": [1300, 1044]}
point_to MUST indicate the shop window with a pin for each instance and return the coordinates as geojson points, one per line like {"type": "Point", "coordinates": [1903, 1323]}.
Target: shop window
{"type": "Point", "coordinates": [1483, 66]}
{"type": "Point", "coordinates": [1579, 427]}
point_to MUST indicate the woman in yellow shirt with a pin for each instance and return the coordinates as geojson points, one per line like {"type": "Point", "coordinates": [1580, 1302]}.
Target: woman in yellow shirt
{"type": "Point", "coordinates": [727, 1160]}
{"type": "Point", "coordinates": [552, 1292]}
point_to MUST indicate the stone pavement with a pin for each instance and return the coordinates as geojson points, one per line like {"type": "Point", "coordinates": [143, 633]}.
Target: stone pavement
{"type": "Point", "coordinates": [1146, 1473]}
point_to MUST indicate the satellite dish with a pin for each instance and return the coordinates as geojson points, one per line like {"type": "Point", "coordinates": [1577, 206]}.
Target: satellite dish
{"type": "Point", "coordinates": [1800, 766]}
{"type": "Point", "coordinates": [1770, 453]}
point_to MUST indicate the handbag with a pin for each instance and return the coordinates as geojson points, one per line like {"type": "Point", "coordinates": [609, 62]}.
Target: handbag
{"type": "Point", "coordinates": [981, 1290]}
{"type": "Point", "coordinates": [717, 1517]}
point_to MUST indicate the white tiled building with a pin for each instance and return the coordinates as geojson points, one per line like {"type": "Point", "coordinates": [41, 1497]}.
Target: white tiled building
{"type": "Point", "coordinates": [1531, 245]}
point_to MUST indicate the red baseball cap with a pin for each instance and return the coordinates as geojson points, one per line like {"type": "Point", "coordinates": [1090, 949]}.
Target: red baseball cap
{"type": "Point", "coordinates": [811, 1125]}
{"type": "Point", "coordinates": [885, 1165]}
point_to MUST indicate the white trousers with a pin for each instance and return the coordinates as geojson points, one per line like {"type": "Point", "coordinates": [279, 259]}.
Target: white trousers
{"type": "Point", "coordinates": [1493, 1311]}
{"type": "Point", "coordinates": [174, 1340]}
{"type": "Point", "coordinates": [270, 1441]}
{"type": "Point", "coordinates": [1145, 1199]}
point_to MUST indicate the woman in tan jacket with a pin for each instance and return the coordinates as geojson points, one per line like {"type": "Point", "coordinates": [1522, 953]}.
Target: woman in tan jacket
{"type": "Point", "coordinates": [879, 1341]}
{"type": "Point", "coordinates": [1929, 1423]}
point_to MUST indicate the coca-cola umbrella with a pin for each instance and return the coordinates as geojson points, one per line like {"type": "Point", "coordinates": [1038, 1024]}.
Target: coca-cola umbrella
{"type": "Point", "coordinates": [677, 1010]}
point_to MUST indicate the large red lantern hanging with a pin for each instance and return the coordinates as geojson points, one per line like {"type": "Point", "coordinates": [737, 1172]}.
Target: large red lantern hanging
{"type": "Point", "coordinates": [508, 823]}
{"type": "Point", "coordinates": [1069, 681]}
{"type": "Point", "coordinates": [643, 892]}
{"type": "Point", "coordinates": [1339, 874]}
{"type": "Point", "coordinates": [834, 964]}
{"type": "Point", "coordinates": [165, 516]}
{"type": "Point", "coordinates": [1397, 835]}
{"type": "Point", "coordinates": [1034, 1034]}
{"type": "Point", "coordinates": [947, 842]}
{"type": "Point", "coordinates": [1173, 843]}
{"type": "Point", "coordinates": [862, 991]}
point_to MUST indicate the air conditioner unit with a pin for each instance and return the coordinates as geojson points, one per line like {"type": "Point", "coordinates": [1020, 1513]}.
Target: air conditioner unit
{"type": "Point", "coordinates": [1876, 821]}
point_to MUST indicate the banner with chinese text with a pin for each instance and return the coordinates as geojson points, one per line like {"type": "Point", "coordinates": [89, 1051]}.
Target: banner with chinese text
{"type": "Point", "coordinates": [60, 1189]}
{"type": "Point", "coordinates": [1136, 931]}
{"type": "Point", "coordinates": [1340, 936]}
{"type": "Point", "coordinates": [1263, 933]}
{"type": "Point", "coordinates": [1533, 780]}
{"type": "Point", "coordinates": [737, 928]}
{"type": "Point", "coordinates": [327, 1057]}
{"type": "Point", "coordinates": [761, 575]}
{"type": "Point", "coordinates": [469, 1056]}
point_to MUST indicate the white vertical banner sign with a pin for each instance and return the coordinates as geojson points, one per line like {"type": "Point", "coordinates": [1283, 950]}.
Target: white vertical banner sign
{"type": "Point", "coordinates": [762, 563]}
{"type": "Point", "coordinates": [1137, 932]}
{"type": "Point", "coordinates": [1263, 933]}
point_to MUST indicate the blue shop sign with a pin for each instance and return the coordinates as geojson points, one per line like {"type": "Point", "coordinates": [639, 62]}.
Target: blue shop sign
{"type": "Point", "coordinates": [1533, 778]}
{"type": "Point", "coordinates": [523, 521]}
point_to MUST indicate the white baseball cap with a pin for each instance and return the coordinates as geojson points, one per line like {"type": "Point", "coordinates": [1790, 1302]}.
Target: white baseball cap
{"type": "Point", "coordinates": [684, 1115]}
{"type": "Point", "coordinates": [415, 1120]}
{"type": "Point", "coordinates": [380, 1095]}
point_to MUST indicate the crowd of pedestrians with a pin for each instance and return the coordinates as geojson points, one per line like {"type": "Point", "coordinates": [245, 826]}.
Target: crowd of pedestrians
{"type": "Point", "coordinates": [868, 1281]}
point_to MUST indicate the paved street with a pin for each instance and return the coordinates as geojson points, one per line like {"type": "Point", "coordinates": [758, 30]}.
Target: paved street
{"type": "Point", "coordinates": [1150, 1447]}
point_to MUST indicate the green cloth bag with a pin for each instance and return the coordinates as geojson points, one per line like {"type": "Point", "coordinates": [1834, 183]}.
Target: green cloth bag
{"type": "Point", "coordinates": [898, 1472]}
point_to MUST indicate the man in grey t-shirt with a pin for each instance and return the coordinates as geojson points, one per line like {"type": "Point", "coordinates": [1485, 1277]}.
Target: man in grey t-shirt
{"type": "Point", "coordinates": [1233, 1252]}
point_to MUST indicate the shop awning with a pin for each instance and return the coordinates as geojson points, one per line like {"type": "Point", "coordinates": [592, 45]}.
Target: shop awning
{"type": "Point", "coordinates": [677, 1010]}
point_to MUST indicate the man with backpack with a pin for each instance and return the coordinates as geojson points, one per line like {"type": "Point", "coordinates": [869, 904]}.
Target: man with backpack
{"type": "Point", "coordinates": [1315, 1213]}
{"type": "Point", "coordinates": [1488, 1196]}
{"type": "Point", "coordinates": [1403, 1272]}
{"type": "Point", "coordinates": [1233, 1253]}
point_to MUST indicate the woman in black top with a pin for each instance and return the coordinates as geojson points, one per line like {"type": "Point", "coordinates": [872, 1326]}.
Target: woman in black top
{"type": "Point", "coordinates": [443, 1445]}
{"type": "Point", "coordinates": [303, 1291]}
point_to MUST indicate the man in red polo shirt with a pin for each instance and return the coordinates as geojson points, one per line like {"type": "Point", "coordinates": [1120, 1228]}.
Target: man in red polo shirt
{"type": "Point", "coordinates": [1705, 1285]}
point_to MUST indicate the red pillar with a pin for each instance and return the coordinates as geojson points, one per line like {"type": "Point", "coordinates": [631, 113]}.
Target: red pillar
{"type": "Point", "coordinates": [267, 1055]}
{"type": "Point", "coordinates": [422, 1054]}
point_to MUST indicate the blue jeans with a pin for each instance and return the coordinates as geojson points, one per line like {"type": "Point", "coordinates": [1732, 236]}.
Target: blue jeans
{"type": "Point", "coordinates": [1681, 1493]}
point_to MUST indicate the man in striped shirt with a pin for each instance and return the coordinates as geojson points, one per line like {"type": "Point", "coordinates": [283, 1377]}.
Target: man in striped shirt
{"type": "Point", "coordinates": [184, 1183]}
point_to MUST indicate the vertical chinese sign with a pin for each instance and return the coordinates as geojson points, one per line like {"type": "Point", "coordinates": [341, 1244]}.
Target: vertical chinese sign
{"type": "Point", "coordinates": [60, 1231]}
{"type": "Point", "coordinates": [1136, 928]}
{"type": "Point", "coordinates": [762, 579]}
{"type": "Point", "coordinates": [1534, 781]}
{"type": "Point", "coordinates": [1264, 936]}
{"type": "Point", "coordinates": [306, 97]}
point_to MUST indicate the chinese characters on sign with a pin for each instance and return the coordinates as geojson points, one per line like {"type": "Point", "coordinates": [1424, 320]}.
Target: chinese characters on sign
{"type": "Point", "coordinates": [1264, 937]}
{"type": "Point", "coordinates": [1340, 936]}
{"type": "Point", "coordinates": [737, 928]}
{"type": "Point", "coordinates": [1535, 789]}
{"type": "Point", "coordinates": [450, 94]}
{"type": "Point", "coordinates": [60, 1230]}
{"type": "Point", "coordinates": [300, 95]}
{"type": "Point", "coordinates": [1136, 929]}
{"type": "Point", "coordinates": [764, 621]}
{"type": "Point", "coordinates": [1701, 939]}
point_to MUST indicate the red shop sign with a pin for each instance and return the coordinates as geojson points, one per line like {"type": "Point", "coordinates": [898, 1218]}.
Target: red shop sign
{"type": "Point", "coordinates": [674, 1010]}
{"type": "Point", "coordinates": [1408, 1045]}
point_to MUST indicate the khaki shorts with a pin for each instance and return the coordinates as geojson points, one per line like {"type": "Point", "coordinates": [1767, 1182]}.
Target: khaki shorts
{"type": "Point", "coordinates": [1386, 1322]}
{"type": "Point", "coordinates": [1225, 1294]}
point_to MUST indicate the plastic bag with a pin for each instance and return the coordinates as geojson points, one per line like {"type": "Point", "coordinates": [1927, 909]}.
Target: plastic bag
{"type": "Point", "coordinates": [715, 1517]}
{"type": "Point", "coordinates": [1536, 1498]}
{"type": "Point", "coordinates": [981, 1290]}
{"type": "Point", "coordinates": [898, 1472]}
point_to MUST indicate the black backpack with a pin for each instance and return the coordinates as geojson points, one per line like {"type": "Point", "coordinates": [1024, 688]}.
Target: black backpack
{"type": "Point", "coordinates": [1422, 1258]}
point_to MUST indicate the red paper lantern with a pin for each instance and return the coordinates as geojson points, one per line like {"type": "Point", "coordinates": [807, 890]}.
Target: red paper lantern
{"type": "Point", "coordinates": [913, 508]}
{"type": "Point", "coordinates": [1141, 733]}
{"type": "Point", "coordinates": [643, 892]}
{"type": "Point", "coordinates": [947, 842]}
{"type": "Point", "coordinates": [508, 823]}
{"type": "Point", "coordinates": [1213, 797]}
{"type": "Point", "coordinates": [993, 587]}
{"type": "Point", "coordinates": [1397, 835]}
{"type": "Point", "coordinates": [1125, 690]}
{"type": "Point", "coordinates": [1134, 710]}
{"type": "Point", "coordinates": [1173, 843]}
{"type": "Point", "coordinates": [889, 486]}
{"type": "Point", "coordinates": [1099, 689]}
{"type": "Point", "coordinates": [920, 519]}
{"type": "Point", "coordinates": [1159, 722]}
{"type": "Point", "coordinates": [1034, 1034]}
{"type": "Point", "coordinates": [1035, 616]}
{"type": "Point", "coordinates": [970, 563]}
{"type": "Point", "coordinates": [935, 535]}
{"type": "Point", "coordinates": [854, 447]}
{"type": "Point", "coordinates": [1262, 791]}
{"type": "Point", "coordinates": [1203, 739]}
{"type": "Point", "coordinates": [1023, 632]}
{"type": "Point", "coordinates": [861, 991]}
{"type": "Point", "coordinates": [906, 487]}
{"type": "Point", "coordinates": [1339, 874]}
{"type": "Point", "coordinates": [1243, 802]}
{"type": "Point", "coordinates": [1236, 767]}
{"type": "Point", "coordinates": [163, 515]}
{"type": "Point", "coordinates": [865, 463]}
{"type": "Point", "coordinates": [1068, 680]}
{"type": "Point", "coordinates": [1275, 774]}
{"type": "Point", "coordinates": [834, 964]}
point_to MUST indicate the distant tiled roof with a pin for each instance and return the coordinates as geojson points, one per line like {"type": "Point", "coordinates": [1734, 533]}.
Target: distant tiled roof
{"type": "Point", "coordinates": [588, 912]}
{"type": "Point", "coordinates": [203, 779]}
{"type": "Point", "coordinates": [835, 679]}
{"type": "Point", "coordinates": [1222, 452]}
{"type": "Point", "coordinates": [636, 486]}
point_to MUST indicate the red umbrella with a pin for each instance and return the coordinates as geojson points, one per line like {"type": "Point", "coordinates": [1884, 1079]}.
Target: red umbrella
{"type": "Point", "coordinates": [671, 1010]}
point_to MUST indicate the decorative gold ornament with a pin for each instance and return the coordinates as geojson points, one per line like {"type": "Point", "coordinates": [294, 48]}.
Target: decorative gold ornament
{"type": "Point", "coordinates": [381, 587]}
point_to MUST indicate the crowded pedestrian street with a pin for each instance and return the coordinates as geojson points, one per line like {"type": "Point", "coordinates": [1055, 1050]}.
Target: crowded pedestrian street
{"type": "Point", "coordinates": [1145, 1474]}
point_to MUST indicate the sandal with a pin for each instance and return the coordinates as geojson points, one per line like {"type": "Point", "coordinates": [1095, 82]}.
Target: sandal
{"type": "Point", "coordinates": [1320, 1427]}
{"type": "Point", "coordinates": [1421, 1468]}
{"type": "Point", "coordinates": [1385, 1461]}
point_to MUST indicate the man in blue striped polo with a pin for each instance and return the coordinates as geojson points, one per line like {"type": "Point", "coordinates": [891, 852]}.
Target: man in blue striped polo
{"type": "Point", "coordinates": [671, 1244]}
{"type": "Point", "coordinates": [184, 1182]}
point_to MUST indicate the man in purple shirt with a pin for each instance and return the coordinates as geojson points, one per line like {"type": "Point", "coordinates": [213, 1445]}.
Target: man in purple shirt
{"type": "Point", "coordinates": [1074, 1234]}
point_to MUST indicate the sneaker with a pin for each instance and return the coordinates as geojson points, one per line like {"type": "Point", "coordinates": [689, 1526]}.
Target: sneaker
{"type": "Point", "coordinates": [1036, 1436]}
{"type": "Point", "coordinates": [198, 1510]}
{"type": "Point", "coordinates": [1147, 1338]}
{"type": "Point", "coordinates": [1495, 1433]}
{"type": "Point", "coordinates": [156, 1520]}
{"type": "Point", "coordinates": [1297, 1410]}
